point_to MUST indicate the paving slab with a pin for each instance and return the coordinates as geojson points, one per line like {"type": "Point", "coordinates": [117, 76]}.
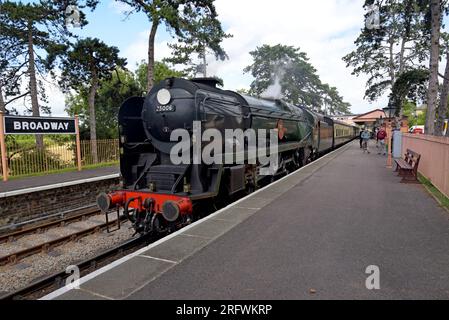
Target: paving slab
{"type": "Point", "coordinates": [79, 294]}
{"type": "Point", "coordinates": [122, 280]}
{"type": "Point", "coordinates": [211, 228]}
{"type": "Point", "coordinates": [177, 248]}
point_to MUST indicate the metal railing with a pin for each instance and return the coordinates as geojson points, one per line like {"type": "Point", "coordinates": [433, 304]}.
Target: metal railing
{"type": "Point", "coordinates": [28, 159]}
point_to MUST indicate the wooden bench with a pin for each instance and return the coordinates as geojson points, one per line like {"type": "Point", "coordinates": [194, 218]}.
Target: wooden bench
{"type": "Point", "coordinates": [407, 168]}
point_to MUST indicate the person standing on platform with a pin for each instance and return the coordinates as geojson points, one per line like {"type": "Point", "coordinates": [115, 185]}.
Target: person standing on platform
{"type": "Point", "coordinates": [366, 135]}
{"type": "Point", "coordinates": [381, 136]}
{"type": "Point", "coordinates": [376, 131]}
{"type": "Point", "coordinates": [360, 137]}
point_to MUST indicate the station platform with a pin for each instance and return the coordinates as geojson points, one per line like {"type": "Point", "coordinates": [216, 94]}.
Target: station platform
{"type": "Point", "coordinates": [310, 235]}
{"type": "Point", "coordinates": [56, 180]}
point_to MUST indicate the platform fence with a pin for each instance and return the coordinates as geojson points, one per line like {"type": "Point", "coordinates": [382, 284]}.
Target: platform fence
{"type": "Point", "coordinates": [26, 159]}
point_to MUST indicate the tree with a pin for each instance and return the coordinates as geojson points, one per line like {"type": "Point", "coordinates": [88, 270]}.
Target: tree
{"type": "Point", "coordinates": [200, 43]}
{"type": "Point", "coordinates": [112, 91]}
{"type": "Point", "coordinates": [410, 86]}
{"type": "Point", "coordinates": [284, 71]}
{"type": "Point", "coordinates": [432, 93]}
{"type": "Point", "coordinates": [442, 111]}
{"type": "Point", "coordinates": [86, 64]}
{"type": "Point", "coordinates": [187, 19]}
{"type": "Point", "coordinates": [161, 72]}
{"type": "Point", "coordinates": [399, 44]}
{"type": "Point", "coordinates": [37, 32]}
{"type": "Point", "coordinates": [333, 102]}
{"type": "Point", "coordinates": [12, 70]}
{"type": "Point", "coordinates": [409, 110]}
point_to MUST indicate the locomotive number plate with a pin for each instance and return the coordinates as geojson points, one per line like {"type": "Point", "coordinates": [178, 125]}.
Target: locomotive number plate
{"type": "Point", "coordinates": [167, 108]}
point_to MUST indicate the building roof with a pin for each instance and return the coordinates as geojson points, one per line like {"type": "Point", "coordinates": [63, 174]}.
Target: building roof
{"type": "Point", "coordinates": [370, 115]}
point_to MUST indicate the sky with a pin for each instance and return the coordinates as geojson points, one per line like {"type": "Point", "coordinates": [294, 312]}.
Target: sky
{"type": "Point", "coordinates": [324, 29]}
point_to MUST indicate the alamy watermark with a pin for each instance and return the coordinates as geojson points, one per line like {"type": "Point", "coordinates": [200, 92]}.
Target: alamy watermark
{"type": "Point", "coordinates": [72, 16]}
{"type": "Point", "coordinates": [73, 280]}
{"type": "Point", "coordinates": [372, 21]}
{"type": "Point", "coordinates": [256, 145]}
{"type": "Point", "coordinates": [373, 280]}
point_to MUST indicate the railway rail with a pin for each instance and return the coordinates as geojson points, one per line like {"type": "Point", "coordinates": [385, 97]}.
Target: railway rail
{"type": "Point", "coordinates": [46, 246]}
{"type": "Point", "coordinates": [73, 216]}
{"type": "Point", "coordinates": [57, 280]}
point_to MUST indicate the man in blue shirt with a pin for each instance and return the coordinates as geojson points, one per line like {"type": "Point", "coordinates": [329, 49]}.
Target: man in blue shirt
{"type": "Point", "coordinates": [366, 135]}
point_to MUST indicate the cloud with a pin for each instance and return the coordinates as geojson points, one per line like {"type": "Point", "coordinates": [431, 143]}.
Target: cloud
{"type": "Point", "coordinates": [325, 30]}
{"type": "Point", "coordinates": [56, 99]}
{"type": "Point", "coordinates": [138, 49]}
{"type": "Point", "coordinates": [119, 7]}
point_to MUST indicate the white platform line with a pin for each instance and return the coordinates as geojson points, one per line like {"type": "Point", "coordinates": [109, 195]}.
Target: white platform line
{"type": "Point", "coordinates": [57, 185]}
{"type": "Point", "coordinates": [139, 252]}
{"type": "Point", "coordinates": [158, 259]}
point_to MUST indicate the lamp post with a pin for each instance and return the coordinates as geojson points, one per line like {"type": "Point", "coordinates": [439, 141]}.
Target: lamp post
{"type": "Point", "coordinates": [390, 110]}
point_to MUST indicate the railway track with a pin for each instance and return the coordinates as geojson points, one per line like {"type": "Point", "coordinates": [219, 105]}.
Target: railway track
{"type": "Point", "coordinates": [73, 216]}
{"type": "Point", "coordinates": [46, 246]}
{"type": "Point", "coordinates": [42, 287]}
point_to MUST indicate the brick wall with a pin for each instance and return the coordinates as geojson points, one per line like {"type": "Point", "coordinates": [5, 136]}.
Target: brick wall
{"type": "Point", "coordinates": [24, 207]}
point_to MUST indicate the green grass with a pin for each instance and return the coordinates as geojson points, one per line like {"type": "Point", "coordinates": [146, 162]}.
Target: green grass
{"type": "Point", "coordinates": [442, 199]}
{"type": "Point", "coordinates": [87, 167]}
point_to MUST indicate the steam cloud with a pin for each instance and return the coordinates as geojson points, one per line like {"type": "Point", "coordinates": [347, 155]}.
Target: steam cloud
{"type": "Point", "coordinates": [274, 91]}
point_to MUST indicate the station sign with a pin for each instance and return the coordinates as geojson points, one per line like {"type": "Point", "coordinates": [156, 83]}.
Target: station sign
{"type": "Point", "coordinates": [38, 125]}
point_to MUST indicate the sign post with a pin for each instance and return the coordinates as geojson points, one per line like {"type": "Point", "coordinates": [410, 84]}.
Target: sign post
{"type": "Point", "coordinates": [3, 148]}
{"type": "Point", "coordinates": [78, 143]}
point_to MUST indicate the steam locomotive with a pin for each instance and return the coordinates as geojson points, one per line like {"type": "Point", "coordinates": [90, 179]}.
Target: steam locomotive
{"type": "Point", "coordinates": [159, 195]}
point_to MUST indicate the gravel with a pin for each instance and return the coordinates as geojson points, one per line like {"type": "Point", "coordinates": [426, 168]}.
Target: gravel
{"type": "Point", "coordinates": [13, 277]}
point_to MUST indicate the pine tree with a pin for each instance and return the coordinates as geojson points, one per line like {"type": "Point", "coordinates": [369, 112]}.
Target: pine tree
{"type": "Point", "coordinates": [432, 93]}
{"type": "Point", "coordinates": [194, 23]}
{"type": "Point", "coordinates": [87, 63]}
{"type": "Point", "coordinates": [33, 28]}
{"type": "Point", "coordinates": [399, 44]}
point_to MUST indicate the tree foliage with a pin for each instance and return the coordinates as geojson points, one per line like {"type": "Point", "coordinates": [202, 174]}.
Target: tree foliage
{"type": "Point", "coordinates": [410, 86]}
{"type": "Point", "coordinates": [87, 63]}
{"type": "Point", "coordinates": [89, 59]}
{"type": "Point", "coordinates": [33, 36]}
{"type": "Point", "coordinates": [286, 71]}
{"type": "Point", "coordinates": [112, 91]}
{"type": "Point", "coordinates": [161, 72]}
{"type": "Point", "coordinates": [193, 23]}
{"type": "Point", "coordinates": [398, 45]}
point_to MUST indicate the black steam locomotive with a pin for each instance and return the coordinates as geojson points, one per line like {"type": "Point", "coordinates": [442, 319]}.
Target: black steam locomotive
{"type": "Point", "coordinates": [160, 195]}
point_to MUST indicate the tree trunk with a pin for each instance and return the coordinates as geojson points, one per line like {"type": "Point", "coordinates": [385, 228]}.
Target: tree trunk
{"type": "Point", "coordinates": [432, 94]}
{"type": "Point", "coordinates": [401, 56]}
{"type": "Point", "coordinates": [92, 121]}
{"type": "Point", "coordinates": [442, 107]}
{"type": "Point", "coordinates": [204, 63]}
{"type": "Point", "coordinates": [2, 102]}
{"type": "Point", "coordinates": [33, 83]}
{"type": "Point", "coordinates": [151, 38]}
{"type": "Point", "coordinates": [391, 63]}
